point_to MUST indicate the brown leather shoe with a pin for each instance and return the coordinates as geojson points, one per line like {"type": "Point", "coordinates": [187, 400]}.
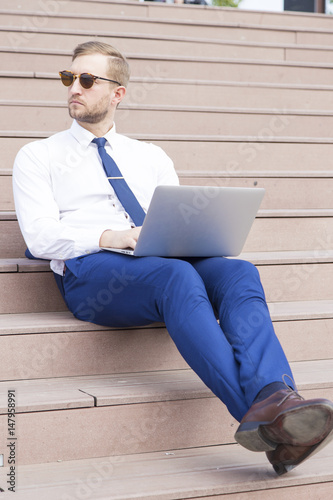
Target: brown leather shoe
{"type": "Point", "coordinates": [285, 418]}
{"type": "Point", "coordinates": [286, 456]}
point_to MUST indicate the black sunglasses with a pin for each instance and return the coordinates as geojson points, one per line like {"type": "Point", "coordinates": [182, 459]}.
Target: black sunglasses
{"type": "Point", "coordinates": [86, 79]}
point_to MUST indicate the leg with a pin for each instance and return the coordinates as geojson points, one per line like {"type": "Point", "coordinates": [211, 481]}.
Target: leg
{"type": "Point", "coordinates": [118, 290]}
{"type": "Point", "coordinates": [235, 290]}
{"type": "Point", "coordinates": [280, 421]}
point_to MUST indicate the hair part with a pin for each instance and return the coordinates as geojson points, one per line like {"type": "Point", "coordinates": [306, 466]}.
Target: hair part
{"type": "Point", "coordinates": [119, 69]}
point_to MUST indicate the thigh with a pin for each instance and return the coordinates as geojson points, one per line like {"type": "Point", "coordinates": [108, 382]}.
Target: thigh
{"type": "Point", "coordinates": [120, 290]}
{"type": "Point", "coordinates": [220, 274]}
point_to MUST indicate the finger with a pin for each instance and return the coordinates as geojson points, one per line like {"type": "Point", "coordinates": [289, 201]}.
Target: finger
{"type": "Point", "coordinates": [131, 242]}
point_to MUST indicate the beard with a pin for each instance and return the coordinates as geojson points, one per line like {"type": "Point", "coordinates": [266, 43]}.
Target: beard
{"type": "Point", "coordinates": [88, 116]}
{"type": "Point", "coordinates": [94, 115]}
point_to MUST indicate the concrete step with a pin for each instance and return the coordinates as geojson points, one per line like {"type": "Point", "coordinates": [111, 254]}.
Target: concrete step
{"type": "Point", "coordinates": [281, 193]}
{"type": "Point", "coordinates": [49, 60]}
{"type": "Point", "coordinates": [166, 422]}
{"type": "Point", "coordinates": [46, 345]}
{"type": "Point", "coordinates": [240, 157]}
{"type": "Point", "coordinates": [224, 93]}
{"type": "Point", "coordinates": [217, 26]}
{"type": "Point", "coordinates": [30, 292]}
{"type": "Point", "coordinates": [108, 22]}
{"type": "Point", "coordinates": [12, 244]}
{"type": "Point", "coordinates": [182, 92]}
{"type": "Point", "coordinates": [198, 120]}
{"type": "Point", "coordinates": [68, 349]}
{"type": "Point", "coordinates": [285, 193]}
{"type": "Point", "coordinates": [129, 413]}
{"type": "Point", "coordinates": [141, 43]}
{"type": "Point", "coordinates": [31, 288]}
{"type": "Point", "coordinates": [273, 230]}
{"type": "Point", "coordinates": [175, 12]}
{"type": "Point", "coordinates": [218, 472]}
{"type": "Point", "coordinates": [49, 8]}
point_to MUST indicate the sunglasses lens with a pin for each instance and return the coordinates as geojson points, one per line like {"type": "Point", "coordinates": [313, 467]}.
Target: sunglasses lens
{"type": "Point", "coordinates": [67, 78]}
{"type": "Point", "coordinates": [86, 80]}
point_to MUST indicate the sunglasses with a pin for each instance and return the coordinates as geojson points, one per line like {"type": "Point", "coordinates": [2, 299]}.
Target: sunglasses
{"type": "Point", "coordinates": [86, 79]}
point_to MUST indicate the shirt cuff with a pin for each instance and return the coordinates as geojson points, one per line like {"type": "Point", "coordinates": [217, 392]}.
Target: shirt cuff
{"type": "Point", "coordinates": [89, 242]}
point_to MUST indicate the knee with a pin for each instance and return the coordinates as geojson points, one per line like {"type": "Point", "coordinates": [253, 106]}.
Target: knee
{"type": "Point", "coordinates": [246, 282]}
{"type": "Point", "coordinates": [180, 281]}
{"type": "Point", "coordinates": [245, 268]}
{"type": "Point", "coordinates": [180, 290]}
{"type": "Point", "coordinates": [177, 270]}
{"type": "Point", "coordinates": [240, 277]}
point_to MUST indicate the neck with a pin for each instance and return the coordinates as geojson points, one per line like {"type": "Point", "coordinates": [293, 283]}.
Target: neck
{"type": "Point", "coordinates": [98, 129]}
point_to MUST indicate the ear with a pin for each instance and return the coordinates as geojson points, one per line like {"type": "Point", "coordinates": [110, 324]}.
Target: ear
{"type": "Point", "coordinates": [119, 94]}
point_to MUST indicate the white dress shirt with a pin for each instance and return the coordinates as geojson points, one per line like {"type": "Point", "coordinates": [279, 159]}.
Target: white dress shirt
{"type": "Point", "coordinates": [63, 199]}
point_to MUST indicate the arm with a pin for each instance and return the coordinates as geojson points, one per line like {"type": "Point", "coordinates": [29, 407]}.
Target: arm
{"type": "Point", "coordinates": [38, 212]}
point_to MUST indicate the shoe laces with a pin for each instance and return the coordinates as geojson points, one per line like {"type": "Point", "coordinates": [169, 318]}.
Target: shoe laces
{"type": "Point", "coordinates": [292, 392]}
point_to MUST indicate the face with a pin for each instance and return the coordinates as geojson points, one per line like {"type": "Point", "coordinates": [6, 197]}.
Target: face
{"type": "Point", "coordinates": [95, 105]}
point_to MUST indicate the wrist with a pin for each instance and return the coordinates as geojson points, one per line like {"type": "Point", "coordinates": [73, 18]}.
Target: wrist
{"type": "Point", "coordinates": [105, 239]}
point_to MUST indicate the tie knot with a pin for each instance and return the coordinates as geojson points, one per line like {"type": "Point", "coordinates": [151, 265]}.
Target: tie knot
{"type": "Point", "coordinates": [100, 141]}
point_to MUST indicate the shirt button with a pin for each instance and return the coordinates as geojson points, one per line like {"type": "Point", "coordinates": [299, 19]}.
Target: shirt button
{"type": "Point", "coordinates": [126, 216]}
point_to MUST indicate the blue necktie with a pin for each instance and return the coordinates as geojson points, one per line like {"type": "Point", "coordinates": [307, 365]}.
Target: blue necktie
{"type": "Point", "coordinates": [120, 186]}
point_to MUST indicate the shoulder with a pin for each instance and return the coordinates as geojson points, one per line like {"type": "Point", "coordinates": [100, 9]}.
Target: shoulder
{"type": "Point", "coordinates": [149, 160]}
{"type": "Point", "coordinates": [148, 149]}
{"type": "Point", "coordinates": [38, 154]}
{"type": "Point", "coordinates": [41, 145]}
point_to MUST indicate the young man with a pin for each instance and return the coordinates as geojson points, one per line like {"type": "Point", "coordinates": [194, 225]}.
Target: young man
{"type": "Point", "coordinates": [72, 199]}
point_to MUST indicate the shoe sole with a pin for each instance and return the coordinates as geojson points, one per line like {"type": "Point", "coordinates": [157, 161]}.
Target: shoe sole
{"type": "Point", "coordinates": [303, 426]}
{"type": "Point", "coordinates": [284, 467]}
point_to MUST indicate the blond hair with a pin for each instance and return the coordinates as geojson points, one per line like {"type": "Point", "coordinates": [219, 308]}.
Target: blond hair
{"type": "Point", "coordinates": [118, 66]}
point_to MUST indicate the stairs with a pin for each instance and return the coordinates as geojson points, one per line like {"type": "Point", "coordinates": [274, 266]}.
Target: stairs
{"type": "Point", "coordinates": [236, 98]}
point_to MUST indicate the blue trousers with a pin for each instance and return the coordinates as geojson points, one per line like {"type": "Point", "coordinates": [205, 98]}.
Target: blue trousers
{"type": "Point", "coordinates": [235, 358]}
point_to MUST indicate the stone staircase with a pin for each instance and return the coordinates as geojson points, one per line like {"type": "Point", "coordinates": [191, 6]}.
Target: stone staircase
{"type": "Point", "coordinates": [236, 98]}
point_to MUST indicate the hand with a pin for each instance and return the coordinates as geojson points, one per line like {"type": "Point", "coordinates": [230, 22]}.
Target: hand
{"type": "Point", "coordinates": [120, 239]}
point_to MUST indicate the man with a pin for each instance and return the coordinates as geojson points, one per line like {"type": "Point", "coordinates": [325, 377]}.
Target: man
{"type": "Point", "coordinates": [68, 206]}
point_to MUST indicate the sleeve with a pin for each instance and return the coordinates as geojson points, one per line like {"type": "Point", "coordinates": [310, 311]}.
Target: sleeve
{"type": "Point", "coordinates": [166, 171]}
{"type": "Point", "coordinates": [37, 211]}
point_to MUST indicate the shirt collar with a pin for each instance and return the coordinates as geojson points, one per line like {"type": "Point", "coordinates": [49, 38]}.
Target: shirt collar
{"type": "Point", "coordinates": [84, 137]}
{"type": "Point", "coordinates": [111, 136]}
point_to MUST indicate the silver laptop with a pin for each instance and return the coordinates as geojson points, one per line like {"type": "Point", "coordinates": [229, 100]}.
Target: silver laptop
{"type": "Point", "coordinates": [197, 221]}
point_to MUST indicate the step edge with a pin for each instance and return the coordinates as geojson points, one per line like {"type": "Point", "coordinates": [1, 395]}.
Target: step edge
{"type": "Point", "coordinates": [64, 322]}
{"type": "Point", "coordinates": [259, 475]}
{"type": "Point", "coordinates": [153, 387]}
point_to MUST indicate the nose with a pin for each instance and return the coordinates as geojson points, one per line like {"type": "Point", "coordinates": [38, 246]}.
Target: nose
{"type": "Point", "coordinates": [75, 88]}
